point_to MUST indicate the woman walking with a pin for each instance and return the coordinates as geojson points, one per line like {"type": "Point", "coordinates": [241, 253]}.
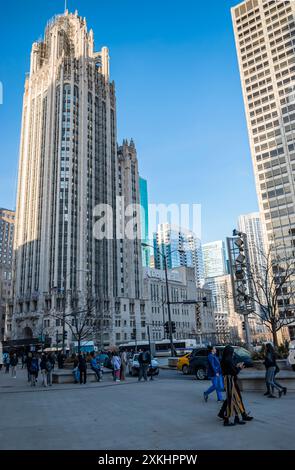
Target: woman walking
{"type": "Point", "coordinates": [43, 369]}
{"type": "Point", "coordinates": [116, 363]}
{"type": "Point", "coordinates": [271, 370]}
{"type": "Point", "coordinates": [233, 406]}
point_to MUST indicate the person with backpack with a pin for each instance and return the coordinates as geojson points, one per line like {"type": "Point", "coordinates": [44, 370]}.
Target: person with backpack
{"type": "Point", "coordinates": [14, 363]}
{"type": "Point", "coordinates": [34, 370]}
{"type": "Point", "coordinates": [214, 374]}
{"type": "Point", "coordinates": [144, 360]}
{"type": "Point", "coordinates": [82, 366]}
{"type": "Point", "coordinates": [7, 363]}
{"type": "Point", "coordinates": [116, 363]}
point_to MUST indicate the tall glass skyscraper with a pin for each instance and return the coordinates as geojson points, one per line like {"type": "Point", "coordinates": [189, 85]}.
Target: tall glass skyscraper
{"type": "Point", "coordinates": [180, 248]}
{"type": "Point", "coordinates": [214, 259]}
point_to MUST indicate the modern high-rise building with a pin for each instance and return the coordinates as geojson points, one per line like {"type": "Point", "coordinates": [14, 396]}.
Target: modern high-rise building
{"type": "Point", "coordinates": [144, 202]}
{"type": "Point", "coordinates": [180, 248]}
{"type": "Point", "coordinates": [7, 219]}
{"type": "Point", "coordinates": [264, 32]}
{"type": "Point", "coordinates": [228, 323]}
{"type": "Point", "coordinates": [70, 167]}
{"type": "Point", "coordinates": [251, 225]}
{"type": "Point", "coordinates": [214, 259]}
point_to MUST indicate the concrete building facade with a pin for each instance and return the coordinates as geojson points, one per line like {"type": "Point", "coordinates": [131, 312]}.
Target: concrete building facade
{"type": "Point", "coordinates": [264, 34]}
{"type": "Point", "coordinates": [190, 321]}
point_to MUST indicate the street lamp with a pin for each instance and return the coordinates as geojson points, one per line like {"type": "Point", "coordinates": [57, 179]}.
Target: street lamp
{"type": "Point", "coordinates": [164, 256]}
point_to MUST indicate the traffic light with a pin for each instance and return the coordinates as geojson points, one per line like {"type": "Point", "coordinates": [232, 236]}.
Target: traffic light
{"type": "Point", "coordinates": [205, 303]}
{"type": "Point", "coordinates": [133, 334]}
{"type": "Point", "coordinates": [167, 329]}
{"type": "Point", "coordinates": [65, 335]}
{"type": "Point", "coordinates": [173, 325]}
{"type": "Point", "coordinates": [243, 325]}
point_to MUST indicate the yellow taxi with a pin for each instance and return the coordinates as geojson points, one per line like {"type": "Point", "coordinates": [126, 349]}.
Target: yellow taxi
{"type": "Point", "coordinates": [183, 363]}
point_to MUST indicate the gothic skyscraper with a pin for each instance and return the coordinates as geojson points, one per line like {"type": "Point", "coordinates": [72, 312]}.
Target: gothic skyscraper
{"type": "Point", "coordinates": [70, 164]}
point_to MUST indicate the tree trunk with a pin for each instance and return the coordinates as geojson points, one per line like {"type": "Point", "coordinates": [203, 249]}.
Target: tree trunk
{"type": "Point", "coordinates": [274, 335]}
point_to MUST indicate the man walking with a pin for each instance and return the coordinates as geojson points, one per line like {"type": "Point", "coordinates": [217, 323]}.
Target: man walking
{"type": "Point", "coordinates": [13, 363]}
{"type": "Point", "coordinates": [124, 361]}
{"type": "Point", "coordinates": [144, 360]}
{"type": "Point", "coordinates": [214, 374]}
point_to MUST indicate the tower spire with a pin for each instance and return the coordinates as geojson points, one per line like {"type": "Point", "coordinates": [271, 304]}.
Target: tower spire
{"type": "Point", "coordinates": [66, 5]}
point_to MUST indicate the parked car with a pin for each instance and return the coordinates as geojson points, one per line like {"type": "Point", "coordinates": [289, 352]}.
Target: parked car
{"type": "Point", "coordinates": [198, 363]}
{"type": "Point", "coordinates": [133, 366]}
{"type": "Point", "coordinates": [183, 364]}
{"type": "Point", "coordinates": [291, 357]}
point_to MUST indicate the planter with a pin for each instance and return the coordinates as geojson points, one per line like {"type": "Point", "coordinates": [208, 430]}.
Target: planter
{"type": "Point", "coordinates": [282, 363]}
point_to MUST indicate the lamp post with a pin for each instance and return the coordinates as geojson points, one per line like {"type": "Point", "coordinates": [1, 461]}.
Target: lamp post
{"type": "Point", "coordinates": [164, 256]}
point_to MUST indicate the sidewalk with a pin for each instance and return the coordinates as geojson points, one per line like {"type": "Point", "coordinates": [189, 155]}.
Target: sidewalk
{"type": "Point", "coordinates": [10, 385]}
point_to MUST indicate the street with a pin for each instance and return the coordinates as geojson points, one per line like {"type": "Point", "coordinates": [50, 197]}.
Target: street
{"type": "Point", "coordinates": [169, 413]}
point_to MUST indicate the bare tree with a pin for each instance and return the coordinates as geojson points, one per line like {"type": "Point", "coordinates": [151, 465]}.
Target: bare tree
{"type": "Point", "coordinates": [272, 289]}
{"type": "Point", "coordinates": [81, 321]}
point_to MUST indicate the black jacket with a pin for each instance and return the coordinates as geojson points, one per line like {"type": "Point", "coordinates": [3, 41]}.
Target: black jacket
{"type": "Point", "coordinates": [229, 368]}
{"type": "Point", "coordinates": [270, 360]}
{"type": "Point", "coordinates": [82, 363]}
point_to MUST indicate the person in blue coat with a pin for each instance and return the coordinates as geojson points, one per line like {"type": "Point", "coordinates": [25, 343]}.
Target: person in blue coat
{"type": "Point", "coordinates": [215, 374]}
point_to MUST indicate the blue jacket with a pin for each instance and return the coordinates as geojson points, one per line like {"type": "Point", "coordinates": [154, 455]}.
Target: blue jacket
{"type": "Point", "coordinates": [214, 367]}
{"type": "Point", "coordinates": [94, 363]}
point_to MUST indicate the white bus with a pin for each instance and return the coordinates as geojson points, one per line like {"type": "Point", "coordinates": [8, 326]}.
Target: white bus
{"type": "Point", "coordinates": [162, 348]}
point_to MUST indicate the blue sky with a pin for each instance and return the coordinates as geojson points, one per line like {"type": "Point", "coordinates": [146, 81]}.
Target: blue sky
{"type": "Point", "coordinates": [178, 91]}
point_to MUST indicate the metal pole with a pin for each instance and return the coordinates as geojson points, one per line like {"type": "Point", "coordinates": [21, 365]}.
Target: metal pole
{"type": "Point", "coordinates": [149, 337]}
{"type": "Point", "coordinates": [168, 304]}
{"type": "Point", "coordinates": [247, 332]}
{"type": "Point", "coordinates": [64, 318]}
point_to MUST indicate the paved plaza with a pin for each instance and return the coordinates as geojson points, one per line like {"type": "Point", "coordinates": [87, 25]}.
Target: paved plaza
{"type": "Point", "coordinates": [168, 413]}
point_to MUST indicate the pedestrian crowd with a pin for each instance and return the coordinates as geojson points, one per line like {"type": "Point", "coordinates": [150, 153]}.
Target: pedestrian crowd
{"type": "Point", "coordinates": [224, 377]}
{"type": "Point", "coordinates": [43, 364]}
{"type": "Point", "coordinates": [34, 363]}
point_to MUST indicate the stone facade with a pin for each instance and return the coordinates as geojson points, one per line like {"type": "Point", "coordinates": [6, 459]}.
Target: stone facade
{"type": "Point", "coordinates": [70, 165]}
{"type": "Point", "coordinates": [191, 322]}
